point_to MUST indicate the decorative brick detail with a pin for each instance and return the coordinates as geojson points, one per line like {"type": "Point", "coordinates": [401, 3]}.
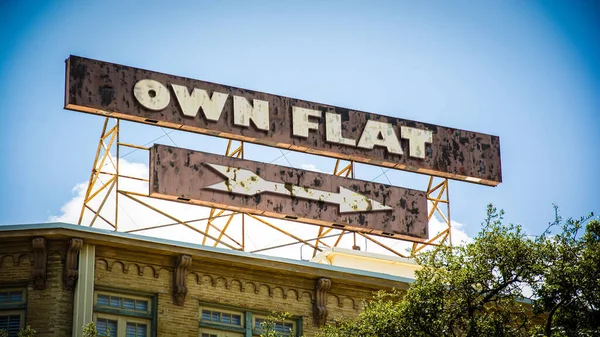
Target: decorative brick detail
{"type": "Point", "coordinates": [40, 260]}
{"type": "Point", "coordinates": [179, 287]}
{"type": "Point", "coordinates": [220, 284]}
{"type": "Point", "coordinates": [320, 307]}
{"type": "Point", "coordinates": [71, 269]}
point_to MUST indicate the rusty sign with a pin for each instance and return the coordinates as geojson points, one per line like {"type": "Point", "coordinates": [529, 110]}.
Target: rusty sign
{"type": "Point", "coordinates": [181, 103]}
{"type": "Point", "coordinates": [281, 192]}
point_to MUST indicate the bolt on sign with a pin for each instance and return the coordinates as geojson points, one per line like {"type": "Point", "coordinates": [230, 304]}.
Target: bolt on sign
{"type": "Point", "coordinates": [181, 103]}
{"type": "Point", "coordinates": [285, 193]}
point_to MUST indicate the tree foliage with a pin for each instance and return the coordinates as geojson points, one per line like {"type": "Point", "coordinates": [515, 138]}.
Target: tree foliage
{"type": "Point", "coordinates": [89, 330]}
{"type": "Point", "coordinates": [569, 286]}
{"type": "Point", "coordinates": [269, 326]}
{"type": "Point", "coordinates": [504, 283]}
{"type": "Point", "coordinates": [25, 332]}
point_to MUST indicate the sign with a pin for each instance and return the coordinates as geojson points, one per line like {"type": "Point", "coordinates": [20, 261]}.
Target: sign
{"type": "Point", "coordinates": [219, 110]}
{"type": "Point", "coordinates": [245, 182]}
{"type": "Point", "coordinates": [285, 193]}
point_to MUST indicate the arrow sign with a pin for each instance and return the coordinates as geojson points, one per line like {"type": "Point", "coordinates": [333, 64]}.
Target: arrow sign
{"type": "Point", "coordinates": [280, 192]}
{"type": "Point", "coordinates": [246, 182]}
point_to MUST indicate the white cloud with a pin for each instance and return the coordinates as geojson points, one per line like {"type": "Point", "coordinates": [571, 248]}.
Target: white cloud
{"type": "Point", "coordinates": [310, 167]}
{"type": "Point", "coordinates": [134, 216]}
{"type": "Point", "coordinates": [70, 210]}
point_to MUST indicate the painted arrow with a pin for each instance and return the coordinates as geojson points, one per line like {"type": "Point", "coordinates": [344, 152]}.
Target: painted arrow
{"type": "Point", "coordinates": [245, 182]}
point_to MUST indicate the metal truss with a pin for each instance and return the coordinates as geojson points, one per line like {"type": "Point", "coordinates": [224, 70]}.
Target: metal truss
{"type": "Point", "coordinates": [437, 194]}
{"type": "Point", "coordinates": [104, 184]}
{"type": "Point", "coordinates": [98, 170]}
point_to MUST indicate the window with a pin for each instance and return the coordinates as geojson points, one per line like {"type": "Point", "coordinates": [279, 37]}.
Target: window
{"type": "Point", "coordinates": [283, 328]}
{"type": "Point", "coordinates": [119, 302]}
{"type": "Point", "coordinates": [12, 310]}
{"type": "Point", "coordinates": [221, 321]}
{"type": "Point", "coordinates": [11, 296]}
{"type": "Point", "coordinates": [118, 326]}
{"type": "Point", "coordinates": [123, 315]}
{"type": "Point", "coordinates": [205, 332]}
{"type": "Point", "coordinates": [222, 317]}
{"type": "Point", "coordinates": [11, 322]}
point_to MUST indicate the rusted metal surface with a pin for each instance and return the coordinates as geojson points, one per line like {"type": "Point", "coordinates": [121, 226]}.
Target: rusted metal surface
{"type": "Point", "coordinates": [219, 110]}
{"type": "Point", "coordinates": [201, 178]}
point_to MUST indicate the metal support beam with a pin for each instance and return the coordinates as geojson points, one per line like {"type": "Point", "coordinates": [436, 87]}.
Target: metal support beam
{"type": "Point", "coordinates": [436, 195]}
{"type": "Point", "coordinates": [100, 189]}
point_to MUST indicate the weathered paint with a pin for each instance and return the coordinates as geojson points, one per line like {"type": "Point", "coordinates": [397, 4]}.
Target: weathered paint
{"type": "Point", "coordinates": [245, 182]}
{"type": "Point", "coordinates": [114, 90]}
{"type": "Point", "coordinates": [244, 185]}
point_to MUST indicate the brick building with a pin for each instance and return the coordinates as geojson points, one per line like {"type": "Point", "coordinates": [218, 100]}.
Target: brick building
{"type": "Point", "coordinates": [57, 277]}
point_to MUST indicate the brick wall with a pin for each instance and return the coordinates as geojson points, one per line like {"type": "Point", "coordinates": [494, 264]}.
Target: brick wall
{"type": "Point", "coordinates": [225, 285]}
{"type": "Point", "coordinates": [49, 311]}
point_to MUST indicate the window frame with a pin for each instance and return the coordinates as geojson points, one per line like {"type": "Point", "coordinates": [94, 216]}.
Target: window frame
{"type": "Point", "coordinates": [14, 305]}
{"type": "Point", "coordinates": [121, 315]}
{"type": "Point", "coordinates": [20, 312]}
{"type": "Point", "coordinates": [122, 311]}
{"type": "Point", "coordinates": [218, 332]}
{"type": "Point", "coordinates": [224, 311]}
{"type": "Point", "coordinates": [248, 320]}
{"type": "Point", "coordinates": [257, 331]}
{"type": "Point", "coordinates": [122, 322]}
{"type": "Point", "coordinates": [15, 308]}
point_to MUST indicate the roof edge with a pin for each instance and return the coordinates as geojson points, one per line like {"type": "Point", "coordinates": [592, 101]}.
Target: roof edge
{"type": "Point", "coordinates": [250, 258]}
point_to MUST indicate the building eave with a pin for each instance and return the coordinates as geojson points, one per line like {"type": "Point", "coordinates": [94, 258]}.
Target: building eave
{"type": "Point", "coordinates": [96, 236]}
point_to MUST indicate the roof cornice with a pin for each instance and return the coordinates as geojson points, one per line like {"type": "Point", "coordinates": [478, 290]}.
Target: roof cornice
{"type": "Point", "coordinates": [104, 237]}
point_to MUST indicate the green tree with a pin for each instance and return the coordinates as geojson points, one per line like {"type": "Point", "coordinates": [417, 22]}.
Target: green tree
{"type": "Point", "coordinates": [268, 327]}
{"type": "Point", "coordinates": [89, 330]}
{"type": "Point", "coordinates": [569, 286]}
{"type": "Point", "coordinates": [25, 332]}
{"type": "Point", "coordinates": [484, 288]}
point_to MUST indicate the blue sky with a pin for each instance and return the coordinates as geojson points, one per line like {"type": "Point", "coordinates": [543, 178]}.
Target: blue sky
{"type": "Point", "coordinates": [526, 71]}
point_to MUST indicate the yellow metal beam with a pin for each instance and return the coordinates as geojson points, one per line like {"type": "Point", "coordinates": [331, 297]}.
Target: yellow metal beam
{"type": "Point", "coordinates": [225, 228]}
{"type": "Point", "coordinates": [176, 220]}
{"type": "Point", "coordinates": [90, 185]}
{"type": "Point", "coordinates": [133, 146]}
{"type": "Point", "coordinates": [111, 180]}
{"type": "Point", "coordinates": [102, 203]}
{"type": "Point", "coordinates": [337, 242]}
{"type": "Point", "coordinates": [100, 216]}
{"type": "Point", "coordinates": [381, 244]}
{"type": "Point", "coordinates": [282, 231]}
{"type": "Point", "coordinates": [446, 234]}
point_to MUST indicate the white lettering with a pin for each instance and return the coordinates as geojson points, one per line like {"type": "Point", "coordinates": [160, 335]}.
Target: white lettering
{"type": "Point", "coordinates": [152, 94]}
{"type": "Point", "coordinates": [416, 140]}
{"type": "Point", "coordinates": [300, 122]}
{"type": "Point", "coordinates": [211, 107]}
{"type": "Point", "coordinates": [243, 112]}
{"type": "Point", "coordinates": [380, 134]}
{"type": "Point", "coordinates": [333, 129]}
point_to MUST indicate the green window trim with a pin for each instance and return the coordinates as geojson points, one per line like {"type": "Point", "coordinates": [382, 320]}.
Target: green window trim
{"type": "Point", "coordinates": [145, 313]}
{"type": "Point", "coordinates": [8, 318]}
{"type": "Point", "coordinates": [13, 307]}
{"type": "Point", "coordinates": [249, 319]}
{"type": "Point", "coordinates": [13, 298]}
{"type": "Point", "coordinates": [221, 327]}
{"type": "Point", "coordinates": [121, 325]}
{"type": "Point", "coordinates": [284, 328]}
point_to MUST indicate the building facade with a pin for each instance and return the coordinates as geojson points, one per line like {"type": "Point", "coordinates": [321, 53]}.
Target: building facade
{"type": "Point", "coordinates": [58, 277]}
